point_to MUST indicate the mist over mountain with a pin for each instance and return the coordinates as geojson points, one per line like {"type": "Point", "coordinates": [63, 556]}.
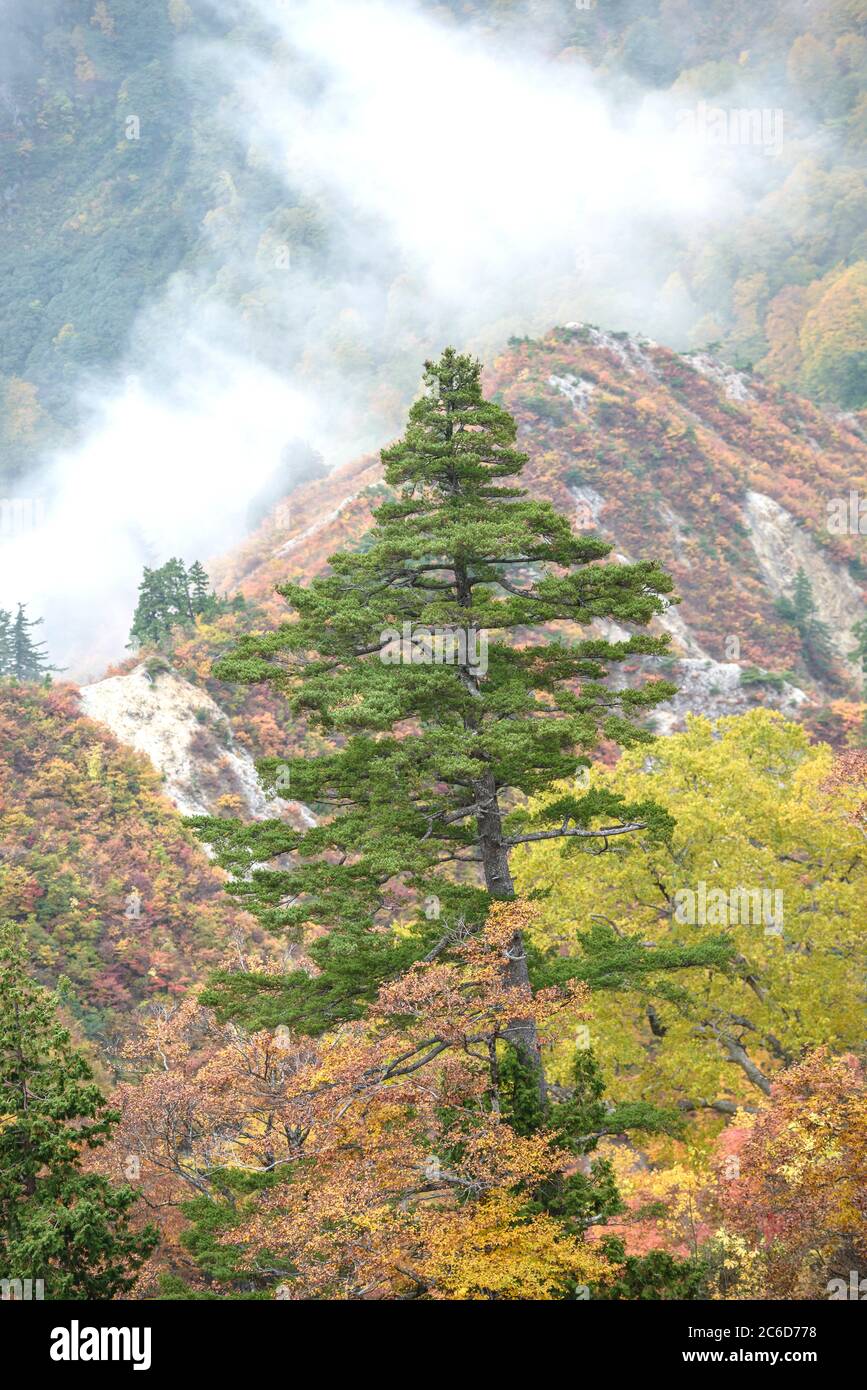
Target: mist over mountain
{"type": "Point", "coordinates": [272, 215]}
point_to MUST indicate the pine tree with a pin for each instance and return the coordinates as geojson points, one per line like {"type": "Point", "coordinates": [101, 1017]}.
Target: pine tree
{"type": "Point", "coordinates": [799, 608]}
{"type": "Point", "coordinates": [58, 1223]}
{"type": "Point", "coordinates": [5, 643]}
{"type": "Point", "coordinates": [176, 591]}
{"type": "Point", "coordinates": [444, 728]}
{"type": "Point", "coordinates": [589, 1196]}
{"type": "Point", "coordinates": [150, 625]}
{"type": "Point", "coordinates": [171, 597]}
{"type": "Point", "coordinates": [164, 603]}
{"type": "Point", "coordinates": [27, 659]}
{"type": "Point", "coordinates": [200, 588]}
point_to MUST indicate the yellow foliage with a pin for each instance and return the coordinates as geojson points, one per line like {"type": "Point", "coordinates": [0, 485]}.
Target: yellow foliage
{"type": "Point", "coordinates": [833, 337]}
{"type": "Point", "coordinates": [497, 1253]}
{"type": "Point", "coordinates": [755, 814]}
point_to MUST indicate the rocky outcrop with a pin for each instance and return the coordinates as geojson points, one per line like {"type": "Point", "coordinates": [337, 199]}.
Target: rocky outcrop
{"type": "Point", "coordinates": [189, 740]}
{"type": "Point", "coordinates": [783, 548]}
{"type": "Point", "coordinates": [734, 384]}
{"type": "Point", "coordinates": [716, 688]}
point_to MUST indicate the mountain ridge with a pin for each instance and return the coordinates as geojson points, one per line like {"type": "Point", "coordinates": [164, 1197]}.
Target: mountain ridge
{"type": "Point", "coordinates": [722, 477]}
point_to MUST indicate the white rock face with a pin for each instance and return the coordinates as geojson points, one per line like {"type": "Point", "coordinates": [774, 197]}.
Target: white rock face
{"type": "Point", "coordinates": [588, 508]}
{"type": "Point", "coordinates": [671, 622]}
{"type": "Point", "coordinates": [735, 384]}
{"type": "Point", "coordinates": [629, 348]}
{"type": "Point", "coordinates": [609, 631]}
{"type": "Point", "coordinates": [317, 525]}
{"type": "Point", "coordinates": [714, 688]}
{"type": "Point", "coordinates": [677, 525]}
{"type": "Point", "coordinates": [782, 548]}
{"type": "Point", "coordinates": [188, 739]}
{"type": "Point", "coordinates": [576, 389]}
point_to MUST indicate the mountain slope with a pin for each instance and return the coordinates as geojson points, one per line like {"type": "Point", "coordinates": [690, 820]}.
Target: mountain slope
{"type": "Point", "coordinates": [115, 894]}
{"type": "Point", "coordinates": [723, 478]}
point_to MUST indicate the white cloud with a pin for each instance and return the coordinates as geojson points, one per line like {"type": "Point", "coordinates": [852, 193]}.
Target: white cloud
{"type": "Point", "coordinates": [473, 193]}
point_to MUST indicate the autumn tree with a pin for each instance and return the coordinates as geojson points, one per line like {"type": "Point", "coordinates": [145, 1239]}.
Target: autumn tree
{"type": "Point", "coordinates": [414, 655]}
{"type": "Point", "coordinates": [391, 1159]}
{"type": "Point", "coordinates": [58, 1223]}
{"type": "Point", "coordinates": [795, 1198]}
{"type": "Point", "coordinates": [812, 71]}
{"type": "Point", "coordinates": [769, 846]}
{"type": "Point", "coordinates": [834, 339]}
{"type": "Point", "coordinates": [847, 784]}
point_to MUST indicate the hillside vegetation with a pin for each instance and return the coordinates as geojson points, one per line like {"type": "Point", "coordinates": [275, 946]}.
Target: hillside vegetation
{"type": "Point", "coordinates": [113, 892]}
{"type": "Point", "coordinates": [723, 478]}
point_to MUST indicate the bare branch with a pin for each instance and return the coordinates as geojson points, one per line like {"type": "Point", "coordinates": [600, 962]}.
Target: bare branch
{"type": "Point", "coordinates": [607, 833]}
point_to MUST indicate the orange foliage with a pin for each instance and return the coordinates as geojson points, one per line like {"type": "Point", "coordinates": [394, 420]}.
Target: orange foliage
{"type": "Point", "coordinates": [397, 1172]}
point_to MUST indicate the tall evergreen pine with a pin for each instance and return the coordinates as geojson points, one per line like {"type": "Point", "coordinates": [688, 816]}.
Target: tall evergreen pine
{"type": "Point", "coordinates": [21, 658]}
{"type": "Point", "coordinates": [58, 1223]}
{"type": "Point", "coordinates": [5, 643]}
{"type": "Point", "coordinates": [173, 596]}
{"type": "Point", "coordinates": [164, 602]}
{"type": "Point", "coordinates": [151, 622]}
{"type": "Point", "coordinates": [436, 756]}
{"type": "Point", "coordinates": [799, 608]}
{"type": "Point", "coordinates": [176, 590]}
{"type": "Point", "coordinates": [200, 589]}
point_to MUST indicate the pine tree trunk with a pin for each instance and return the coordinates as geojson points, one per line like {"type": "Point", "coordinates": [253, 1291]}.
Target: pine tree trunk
{"type": "Point", "coordinates": [521, 1032]}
